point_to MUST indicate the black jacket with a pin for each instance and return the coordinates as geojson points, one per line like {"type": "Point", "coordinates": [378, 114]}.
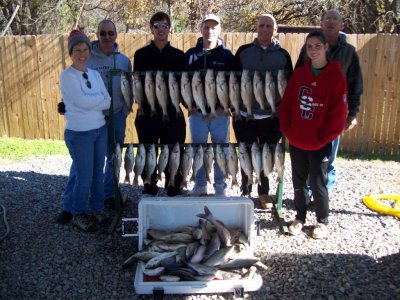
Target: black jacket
{"type": "Point", "coordinates": [219, 59]}
{"type": "Point", "coordinates": [167, 59]}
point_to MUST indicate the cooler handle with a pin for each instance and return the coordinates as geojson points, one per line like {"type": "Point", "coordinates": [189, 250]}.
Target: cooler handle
{"type": "Point", "coordinates": [125, 232]}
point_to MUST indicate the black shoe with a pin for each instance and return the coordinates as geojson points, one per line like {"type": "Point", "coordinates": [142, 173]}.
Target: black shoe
{"type": "Point", "coordinates": [246, 190]}
{"type": "Point", "coordinates": [64, 217]}
{"type": "Point", "coordinates": [109, 203]}
{"type": "Point", "coordinates": [150, 189]}
{"type": "Point", "coordinates": [172, 192]}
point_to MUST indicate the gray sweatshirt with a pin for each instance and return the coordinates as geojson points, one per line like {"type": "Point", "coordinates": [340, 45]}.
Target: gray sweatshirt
{"type": "Point", "coordinates": [104, 63]}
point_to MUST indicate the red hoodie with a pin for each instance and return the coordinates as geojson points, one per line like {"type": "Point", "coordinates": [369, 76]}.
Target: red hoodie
{"type": "Point", "coordinates": [313, 110]}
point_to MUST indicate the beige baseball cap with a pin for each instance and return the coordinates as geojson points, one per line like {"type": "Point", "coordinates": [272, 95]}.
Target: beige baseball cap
{"type": "Point", "coordinates": [211, 17]}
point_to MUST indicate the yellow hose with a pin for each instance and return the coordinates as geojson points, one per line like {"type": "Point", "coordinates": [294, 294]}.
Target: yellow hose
{"type": "Point", "coordinates": [371, 201]}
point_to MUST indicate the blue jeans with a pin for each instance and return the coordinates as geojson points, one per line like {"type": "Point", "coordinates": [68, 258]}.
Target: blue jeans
{"type": "Point", "coordinates": [87, 150]}
{"type": "Point", "coordinates": [332, 165]}
{"type": "Point", "coordinates": [119, 131]}
{"type": "Point", "coordinates": [219, 131]}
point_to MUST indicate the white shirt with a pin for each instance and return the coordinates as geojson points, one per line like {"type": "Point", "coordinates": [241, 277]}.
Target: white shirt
{"type": "Point", "coordinates": [84, 106]}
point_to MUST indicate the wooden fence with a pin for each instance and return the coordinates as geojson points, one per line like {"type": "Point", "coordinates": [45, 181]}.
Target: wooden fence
{"type": "Point", "coordinates": [30, 68]}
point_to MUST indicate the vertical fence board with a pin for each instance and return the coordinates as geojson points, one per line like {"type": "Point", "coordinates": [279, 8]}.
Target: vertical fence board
{"type": "Point", "coordinates": [4, 129]}
{"type": "Point", "coordinates": [393, 75]}
{"type": "Point", "coordinates": [11, 87]}
{"type": "Point", "coordinates": [24, 122]}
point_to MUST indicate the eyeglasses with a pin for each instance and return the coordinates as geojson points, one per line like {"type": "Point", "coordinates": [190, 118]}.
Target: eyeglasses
{"type": "Point", "coordinates": [160, 26]}
{"type": "Point", "coordinates": [86, 77]}
{"type": "Point", "coordinates": [104, 33]}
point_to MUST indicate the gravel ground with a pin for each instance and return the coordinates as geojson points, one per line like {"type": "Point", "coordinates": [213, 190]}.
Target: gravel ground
{"type": "Point", "coordinates": [43, 260]}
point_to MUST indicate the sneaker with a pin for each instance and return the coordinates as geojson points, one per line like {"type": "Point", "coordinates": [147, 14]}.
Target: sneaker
{"type": "Point", "coordinates": [198, 191]}
{"type": "Point", "coordinates": [265, 201]}
{"type": "Point", "coordinates": [102, 217]}
{"type": "Point", "coordinates": [220, 190]}
{"type": "Point", "coordinates": [296, 227]}
{"type": "Point", "coordinates": [320, 231]}
{"type": "Point", "coordinates": [85, 222]}
{"type": "Point", "coordinates": [246, 190]}
{"type": "Point", "coordinates": [64, 217]}
{"type": "Point", "coordinates": [172, 192]}
{"type": "Point", "coordinates": [150, 189]}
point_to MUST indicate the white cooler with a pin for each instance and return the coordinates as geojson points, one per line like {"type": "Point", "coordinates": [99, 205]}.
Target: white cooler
{"type": "Point", "coordinates": [172, 213]}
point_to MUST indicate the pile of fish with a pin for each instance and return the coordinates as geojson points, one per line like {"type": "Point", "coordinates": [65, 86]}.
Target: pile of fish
{"type": "Point", "coordinates": [224, 88]}
{"type": "Point", "coordinates": [191, 159]}
{"type": "Point", "coordinates": [197, 253]}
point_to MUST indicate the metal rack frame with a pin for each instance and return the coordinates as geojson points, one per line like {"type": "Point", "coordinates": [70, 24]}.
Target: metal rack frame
{"type": "Point", "coordinates": [121, 199]}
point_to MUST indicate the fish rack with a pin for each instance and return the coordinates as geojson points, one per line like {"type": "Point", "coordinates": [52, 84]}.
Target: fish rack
{"type": "Point", "coordinates": [120, 199]}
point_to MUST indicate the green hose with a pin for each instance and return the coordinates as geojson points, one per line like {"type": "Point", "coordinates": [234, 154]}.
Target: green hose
{"type": "Point", "coordinates": [5, 223]}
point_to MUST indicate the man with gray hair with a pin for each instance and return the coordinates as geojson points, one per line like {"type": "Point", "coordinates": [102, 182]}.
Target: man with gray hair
{"type": "Point", "coordinates": [341, 51]}
{"type": "Point", "coordinates": [263, 54]}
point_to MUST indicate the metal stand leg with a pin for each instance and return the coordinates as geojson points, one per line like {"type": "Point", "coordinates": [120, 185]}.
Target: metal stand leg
{"type": "Point", "coordinates": [278, 205]}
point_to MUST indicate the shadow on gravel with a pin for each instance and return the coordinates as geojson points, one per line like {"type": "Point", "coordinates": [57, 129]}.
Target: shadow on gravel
{"type": "Point", "coordinates": [331, 276]}
{"type": "Point", "coordinates": [349, 212]}
{"type": "Point", "coordinates": [42, 260]}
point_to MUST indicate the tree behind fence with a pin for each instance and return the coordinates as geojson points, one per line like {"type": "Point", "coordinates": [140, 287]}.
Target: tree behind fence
{"type": "Point", "coordinates": [30, 68]}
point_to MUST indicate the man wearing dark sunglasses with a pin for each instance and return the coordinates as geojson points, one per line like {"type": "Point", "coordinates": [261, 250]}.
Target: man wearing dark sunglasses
{"type": "Point", "coordinates": [105, 56]}
{"type": "Point", "coordinates": [160, 55]}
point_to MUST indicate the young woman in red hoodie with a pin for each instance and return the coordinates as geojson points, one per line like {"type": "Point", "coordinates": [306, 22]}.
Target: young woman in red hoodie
{"type": "Point", "coordinates": [312, 114]}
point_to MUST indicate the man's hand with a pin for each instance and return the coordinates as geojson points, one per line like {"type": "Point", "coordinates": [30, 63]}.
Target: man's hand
{"type": "Point", "coordinates": [350, 123]}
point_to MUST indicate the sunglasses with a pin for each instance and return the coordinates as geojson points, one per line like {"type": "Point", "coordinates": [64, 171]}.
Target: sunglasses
{"type": "Point", "coordinates": [86, 77]}
{"type": "Point", "coordinates": [160, 26]}
{"type": "Point", "coordinates": [104, 33]}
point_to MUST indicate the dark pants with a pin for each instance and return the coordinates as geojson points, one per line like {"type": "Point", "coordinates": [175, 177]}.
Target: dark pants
{"type": "Point", "coordinates": [312, 165]}
{"type": "Point", "coordinates": [260, 131]}
{"type": "Point", "coordinates": [152, 130]}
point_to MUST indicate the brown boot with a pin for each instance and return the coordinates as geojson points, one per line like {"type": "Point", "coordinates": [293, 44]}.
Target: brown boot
{"type": "Point", "coordinates": [265, 201]}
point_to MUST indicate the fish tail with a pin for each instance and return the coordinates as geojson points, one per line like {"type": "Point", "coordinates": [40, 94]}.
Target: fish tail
{"type": "Point", "coordinates": [135, 181]}
{"type": "Point", "coordinates": [183, 184]}
{"type": "Point", "coordinates": [249, 117]}
{"type": "Point", "coordinates": [178, 115]}
{"type": "Point", "coordinates": [165, 118]}
{"type": "Point", "coordinates": [208, 213]}
{"type": "Point", "coordinates": [153, 113]}
{"type": "Point", "coordinates": [234, 181]}
{"type": "Point", "coordinates": [238, 117]}
{"type": "Point", "coordinates": [208, 178]}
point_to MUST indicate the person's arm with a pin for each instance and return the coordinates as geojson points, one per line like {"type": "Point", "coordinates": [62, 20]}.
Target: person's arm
{"type": "Point", "coordinates": [130, 84]}
{"type": "Point", "coordinates": [237, 64]}
{"type": "Point", "coordinates": [355, 89]}
{"type": "Point", "coordinates": [138, 62]}
{"type": "Point", "coordinates": [71, 89]}
{"type": "Point", "coordinates": [335, 119]}
{"type": "Point", "coordinates": [285, 109]}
